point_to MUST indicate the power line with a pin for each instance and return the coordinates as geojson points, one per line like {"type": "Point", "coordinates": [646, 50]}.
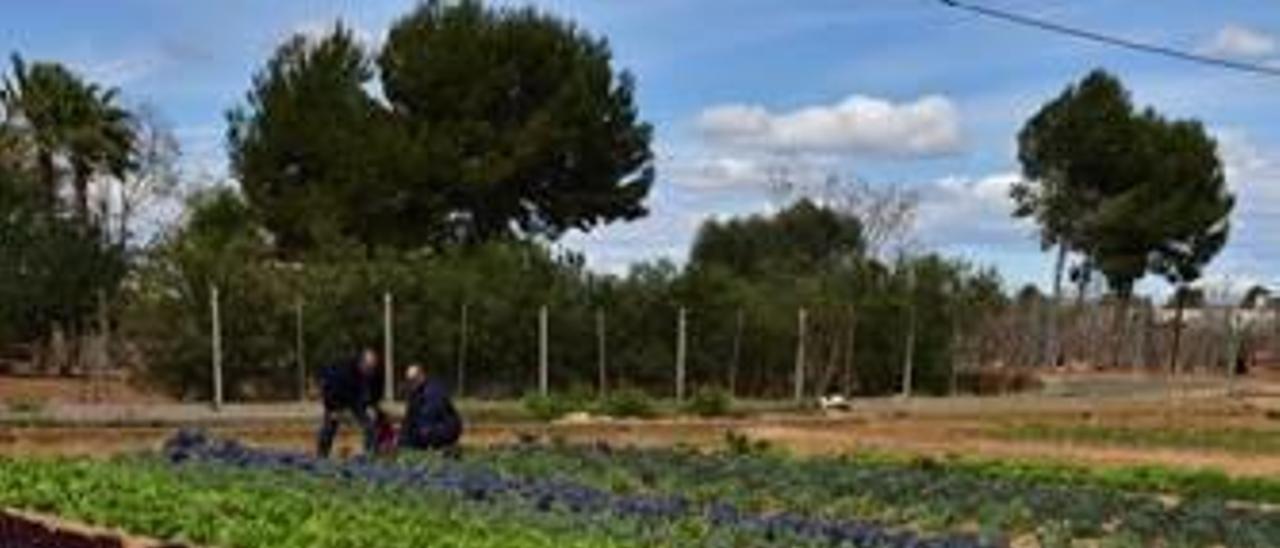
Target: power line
{"type": "Point", "coordinates": [1111, 40]}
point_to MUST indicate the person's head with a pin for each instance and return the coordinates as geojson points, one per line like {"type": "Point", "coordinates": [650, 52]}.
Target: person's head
{"type": "Point", "coordinates": [368, 360]}
{"type": "Point", "coordinates": [415, 375]}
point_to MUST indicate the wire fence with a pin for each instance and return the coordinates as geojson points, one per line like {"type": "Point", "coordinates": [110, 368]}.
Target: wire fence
{"type": "Point", "coordinates": [249, 341]}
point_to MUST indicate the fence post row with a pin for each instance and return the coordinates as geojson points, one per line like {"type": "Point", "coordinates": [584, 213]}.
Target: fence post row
{"type": "Point", "coordinates": [217, 348]}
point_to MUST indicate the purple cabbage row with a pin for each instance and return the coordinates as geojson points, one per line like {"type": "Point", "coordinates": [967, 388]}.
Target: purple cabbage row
{"type": "Point", "coordinates": [544, 495]}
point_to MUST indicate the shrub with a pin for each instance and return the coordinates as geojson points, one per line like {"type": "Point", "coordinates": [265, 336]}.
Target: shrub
{"type": "Point", "coordinates": [547, 408]}
{"type": "Point", "coordinates": [628, 402]}
{"type": "Point", "coordinates": [710, 401]}
{"type": "Point", "coordinates": [26, 406]}
{"type": "Point", "coordinates": [742, 445]}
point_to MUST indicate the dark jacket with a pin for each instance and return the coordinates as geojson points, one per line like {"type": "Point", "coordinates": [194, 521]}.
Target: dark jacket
{"type": "Point", "coordinates": [344, 386]}
{"type": "Point", "coordinates": [430, 419]}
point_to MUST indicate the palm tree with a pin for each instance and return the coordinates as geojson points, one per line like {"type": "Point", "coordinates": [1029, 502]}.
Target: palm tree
{"type": "Point", "coordinates": [68, 121]}
{"type": "Point", "coordinates": [102, 143]}
{"type": "Point", "coordinates": [38, 100]}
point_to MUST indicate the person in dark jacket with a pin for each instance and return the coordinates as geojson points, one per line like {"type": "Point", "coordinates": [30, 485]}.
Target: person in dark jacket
{"type": "Point", "coordinates": [351, 386]}
{"type": "Point", "coordinates": [430, 419]}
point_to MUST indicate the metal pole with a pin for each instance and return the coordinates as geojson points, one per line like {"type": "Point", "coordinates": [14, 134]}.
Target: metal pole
{"type": "Point", "coordinates": [680, 354]}
{"type": "Point", "coordinates": [462, 352]}
{"type": "Point", "coordinates": [217, 348]}
{"type": "Point", "coordinates": [851, 344]}
{"type": "Point", "coordinates": [542, 350]}
{"type": "Point", "coordinates": [908, 362]}
{"type": "Point", "coordinates": [602, 352]}
{"type": "Point", "coordinates": [737, 355]}
{"type": "Point", "coordinates": [801, 319]}
{"type": "Point", "coordinates": [388, 348]}
{"type": "Point", "coordinates": [103, 359]}
{"type": "Point", "coordinates": [301, 350]}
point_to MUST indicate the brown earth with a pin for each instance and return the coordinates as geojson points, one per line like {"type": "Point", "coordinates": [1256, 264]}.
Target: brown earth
{"type": "Point", "coordinates": [22, 528]}
{"type": "Point", "coordinates": [43, 391]}
{"type": "Point", "coordinates": [960, 426]}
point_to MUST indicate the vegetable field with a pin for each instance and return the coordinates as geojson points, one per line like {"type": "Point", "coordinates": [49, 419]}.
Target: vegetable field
{"type": "Point", "coordinates": [212, 492]}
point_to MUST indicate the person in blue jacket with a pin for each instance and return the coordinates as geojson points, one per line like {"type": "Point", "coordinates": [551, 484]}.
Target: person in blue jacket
{"type": "Point", "coordinates": [350, 385]}
{"type": "Point", "coordinates": [430, 419]}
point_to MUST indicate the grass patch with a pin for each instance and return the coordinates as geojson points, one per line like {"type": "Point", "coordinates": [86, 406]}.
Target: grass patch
{"type": "Point", "coordinates": [1181, 482]}
{"type": "Point", "coordinates": [1232, 440]}
{"type": "Point", "coordinates": [26, 406]}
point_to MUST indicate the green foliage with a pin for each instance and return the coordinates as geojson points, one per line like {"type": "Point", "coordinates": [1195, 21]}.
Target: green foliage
{"type": "Point", "coordinates": [1235, 440]}
{"type": "Point", "coordinates": [628, 403]}
{"type": "Point", "coordinates": [503, 285]}
{"type": "Point", "coordinates": [228, 508]}
{"type": "Point", "coordinates": [27, 405]}
{"type": "Point", "coordinates": [1133, 192]}
{"type": "Point", "coordinates": [710, 401]}
{"type": "Point", "coordinates": [801, 238]}
{"type": "Point", "coordinates": [55, 264]}
{"type": "Point", "coordinates": [67, 119]}
{"type": "Point", "coordinates": [52, 270]}
{"type": "Point", "coordinates": [549, 407]}
{"type": "Point", "coordinates": [497, 123]}
{"type": "Point", "coordinates": [1008, 499]}
{"type": "Point", "coordinates": [739, 444]}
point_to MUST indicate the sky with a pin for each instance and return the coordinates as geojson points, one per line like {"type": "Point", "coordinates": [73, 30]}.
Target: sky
{"type": "Point", "coordinates": [889, 92]}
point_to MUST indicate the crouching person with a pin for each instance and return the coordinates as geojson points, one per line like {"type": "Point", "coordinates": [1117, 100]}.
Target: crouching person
{"type": "Point", "coordinates": [430, 419]}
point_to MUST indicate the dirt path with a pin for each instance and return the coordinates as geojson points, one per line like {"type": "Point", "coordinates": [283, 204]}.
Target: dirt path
{"type": "Point", "coordinates": [963, 426]}
{"type": "Point", "coordinates": [806, 436]}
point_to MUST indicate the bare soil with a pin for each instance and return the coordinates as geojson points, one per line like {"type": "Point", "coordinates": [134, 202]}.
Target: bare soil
{"type": "Point", "coordinates": [42, 391]}
{"type": "Point", "coordinates": [31, 530]}
{"type": "Point", "coordinates": [960, 426]}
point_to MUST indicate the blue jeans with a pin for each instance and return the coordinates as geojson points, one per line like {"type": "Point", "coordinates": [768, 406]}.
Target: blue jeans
{"type": "Point", "coordinates": [329, 429]}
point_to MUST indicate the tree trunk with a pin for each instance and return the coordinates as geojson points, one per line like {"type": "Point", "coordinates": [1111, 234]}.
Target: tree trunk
{"type": "Point", "coordinates": [849, 376]}
{"type": "Point", "coordinates": [81, 182]}
{"type": "Point", "coordinates": [49, 178]}
{"type": "Point", "coordinates": [1051, 333]}
{"type": "Point", "coordinates": [1119, 328]}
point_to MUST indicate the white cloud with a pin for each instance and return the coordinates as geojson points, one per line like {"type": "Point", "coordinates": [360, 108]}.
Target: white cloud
{"type": "Point", "coordinates": [971, 212]}
{"type": "Point", "coordinates": [1235, 40]}
{"type": "Point", "coordinates": [858, 125]}
{"type": "Point", "coordinates": [122, 71]}
{"type": "Point", "coordinates": [1253, 173]}
{"type": "Point", "coordinates": [746, 171]}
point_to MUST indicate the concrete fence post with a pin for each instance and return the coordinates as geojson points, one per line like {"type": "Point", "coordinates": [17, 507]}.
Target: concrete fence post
{"type": "Point", "coordinates": [217, 347]}
{"type": "Point", "coordinates": [681, 351]}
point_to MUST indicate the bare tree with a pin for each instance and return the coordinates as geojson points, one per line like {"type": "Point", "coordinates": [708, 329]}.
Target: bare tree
{"type": "Point", "coordinates": [156, 178]}
{"type": "Point", "coordinates": [887, 211]}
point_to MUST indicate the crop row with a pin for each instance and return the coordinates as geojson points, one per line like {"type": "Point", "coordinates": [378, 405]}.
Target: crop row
{"type": "Point", "coordinates": [219, 506]}
{"type": "Point", "coordinates": [1055, 506]}
{"type": "Point", "coordinates": [478, 484]}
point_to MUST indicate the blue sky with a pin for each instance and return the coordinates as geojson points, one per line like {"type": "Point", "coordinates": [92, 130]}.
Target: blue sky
{"type": "Point", "coordinates": [901, 92]}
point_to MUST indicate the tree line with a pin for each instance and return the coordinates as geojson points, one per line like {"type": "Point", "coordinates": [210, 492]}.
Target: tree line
{"type": "Point", "coordinates": [438, 169]}
{"type": "Point", "coordinates": [741, 289]}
